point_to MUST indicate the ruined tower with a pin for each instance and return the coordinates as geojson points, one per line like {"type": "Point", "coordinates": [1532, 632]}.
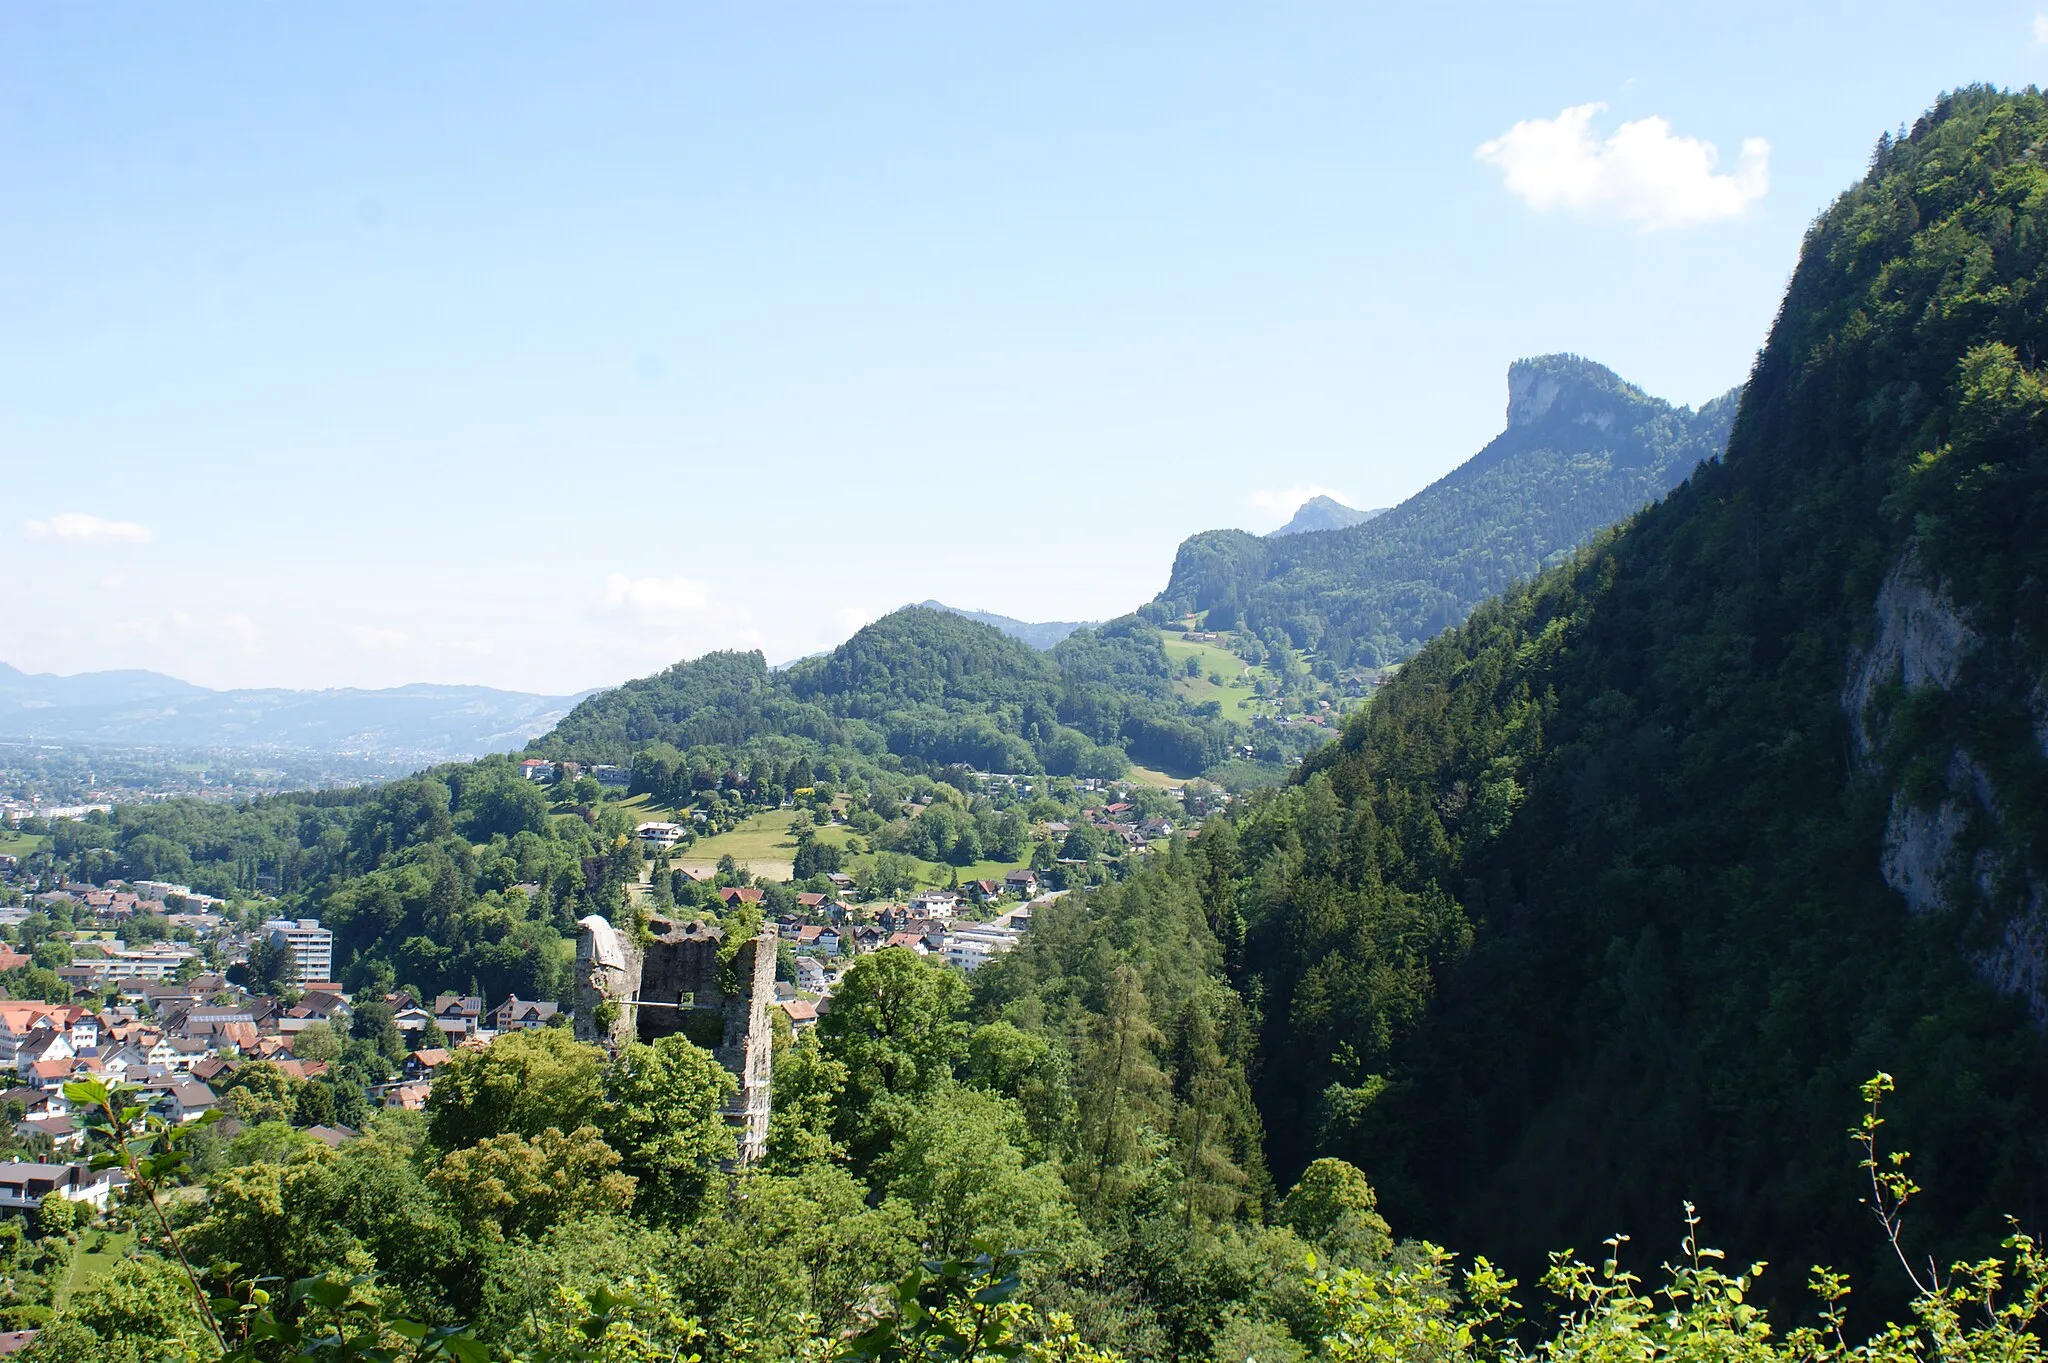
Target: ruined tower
{"type": "Point", "coordinates": [681, 981]}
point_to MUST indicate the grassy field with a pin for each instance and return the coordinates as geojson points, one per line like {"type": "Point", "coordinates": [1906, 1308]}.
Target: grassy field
{"type": "Point", "coordinates": [97, 1255]}
{"type": "Point", "coordinates": [14, 843]}
{"type": "Point", "coordinates": [1216, 660]}
{"type": "Point", "coordinates": [764, 844]}
{"type": "Point", "coordinates": [1158, 780]}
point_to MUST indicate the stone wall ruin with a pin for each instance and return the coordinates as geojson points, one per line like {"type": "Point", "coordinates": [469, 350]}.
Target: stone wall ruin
{"type": "Point", "coordinates": [677, 982]}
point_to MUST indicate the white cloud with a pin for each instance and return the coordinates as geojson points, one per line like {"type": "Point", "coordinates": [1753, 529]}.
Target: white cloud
{"type": "Point", "coordinates": [77, 526]}
{"type": "Point", "coordinates": [671, 618]}
{"type": "Point", "coordinates": [671, 599]}
{"type": "Point", "coordinates": [2041, 29]}
{"type": "Point", "coordinates": [372, 639]}
{"type": "Point", "coordinates": [1283, 502]}
{"type": "Point", "coordinates": [849, 619]}
{"type": "Point", "coordinates": [1642, 174]}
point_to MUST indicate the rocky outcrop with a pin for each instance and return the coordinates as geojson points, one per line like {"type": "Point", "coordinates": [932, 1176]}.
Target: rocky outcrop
{"type": "Point", "coordinates": [1952, 850]}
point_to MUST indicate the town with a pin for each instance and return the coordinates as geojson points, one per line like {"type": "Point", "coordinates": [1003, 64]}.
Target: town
{"type": "Point", "coordinates": [209, 1005]}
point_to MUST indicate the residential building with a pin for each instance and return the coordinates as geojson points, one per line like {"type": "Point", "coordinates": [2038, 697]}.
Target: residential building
{"type": "Point", "coordinates": [189, 1101]}
{"type": "Point", "coordinates": [458, 1015]}
{"type": "Point", "coordinates": [24, 1184]}
{"type": "Point", "coordinates": [970, 947]}
{"type": "Point", "coordinates": [519, 1015]}
{"type": "Point", "coordinates": [312, 947]}
{"type": "Point", "coordinates": [117, 964]}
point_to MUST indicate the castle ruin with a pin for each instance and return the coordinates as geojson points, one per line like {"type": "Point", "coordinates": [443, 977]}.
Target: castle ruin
{"type": "Point", "coordinates": [680, 981]}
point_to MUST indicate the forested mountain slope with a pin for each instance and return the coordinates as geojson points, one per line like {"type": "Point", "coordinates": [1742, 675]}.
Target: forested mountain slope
{"type": "Point", "coordinates": [919, 686]}
{"type": "Point", "coordinates": [1613, 896]}
{"type": "Point", "coordinates": [1582, 450]}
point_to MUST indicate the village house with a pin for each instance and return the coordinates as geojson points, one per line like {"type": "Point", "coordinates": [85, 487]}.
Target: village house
{"type": "Point", "coordinates": [189, 1101]}
{"type": "Point", "coordinates": [409, 1097]}
{"type": "Point", "coordinates": [824, 940]}
{"type": "Point", "coordinates": [458, 1015]}
{"type": "Point", "coordinates": [519, 1015]}
{"type": "Point", "coordinates": [424, 1065]}
{"type": "Point", "coordinates": [810, 974]}
{"type": "Point", "coordinates": [63, 1132]}
{"type": "Point", "coordinates": [46, 1045]}
{"type": "Point", "coordinates": [24, 1184]}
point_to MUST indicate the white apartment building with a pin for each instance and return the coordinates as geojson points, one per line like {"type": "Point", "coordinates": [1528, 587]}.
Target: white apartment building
{"type": "Point", "coordinates": [150, 965]}
{"type": "Point", "coordinates": [312, 947]}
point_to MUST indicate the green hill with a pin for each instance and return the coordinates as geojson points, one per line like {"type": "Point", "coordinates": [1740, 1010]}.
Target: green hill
{"type": "Point", "coordinates": [1613, 895]}
{"type": "Point", "coordinates": [1582, 450]}
{"type": "Point", "coordinates": [919, 689]}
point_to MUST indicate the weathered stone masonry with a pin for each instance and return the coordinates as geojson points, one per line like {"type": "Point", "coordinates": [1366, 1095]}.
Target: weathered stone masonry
{"type": "Point", "coordinates": [677, 983]}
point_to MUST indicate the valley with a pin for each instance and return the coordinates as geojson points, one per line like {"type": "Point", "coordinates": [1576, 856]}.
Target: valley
{"type": "Point", "coordinates": [1641, 830]}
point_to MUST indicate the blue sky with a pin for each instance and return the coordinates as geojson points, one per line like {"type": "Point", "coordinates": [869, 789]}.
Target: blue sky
{"type": "Point", "coordinates": [543, 345]}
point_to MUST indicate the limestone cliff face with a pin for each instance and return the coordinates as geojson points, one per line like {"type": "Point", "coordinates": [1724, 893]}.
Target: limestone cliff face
{"type": "Point", "coordinates": [1949, 843]}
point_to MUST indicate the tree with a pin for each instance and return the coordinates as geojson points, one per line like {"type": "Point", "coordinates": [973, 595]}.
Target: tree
{"type": "Point", "coordinates": [1207, 1105]}
{"type": "Point", "coordinates": [510, 1185]}
{"type": "Point", "coordinates": [661, 1112]}
{"type": "Point", "coordinates": [316, 1105]}
{"type": "Point", "coordinates": [1335, 1209]}
{"type": "Point", "coordinates": [271, 967]}
{"type": "Point", "coordinates": [893, 1026]}
{"type": "Point", "coordinates": [375, 1021]}
{"type": "Point", "coordinates": [1122, 1086]}
{"type": "Point", "coordinates": [140, 1312]}
{"type": "Point", "coordinates": [780, 1248]}
{"type": "Point", "coordinates": [957, 1165]}
{"type": "Point", "coordinates": [1030, 1069]}
{"type": "Point", "coordinates": [317, 1041]}
{"type": "Point", "coordinates": [522, 1084]}
{"type": "Point", "coordinates": [258, 1091]}
{"type": "Point", "coordinates": [809, 1087]}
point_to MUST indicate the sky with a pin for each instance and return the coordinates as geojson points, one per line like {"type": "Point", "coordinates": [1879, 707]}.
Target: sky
{"type": "Point", "coordinates": [541, 346]}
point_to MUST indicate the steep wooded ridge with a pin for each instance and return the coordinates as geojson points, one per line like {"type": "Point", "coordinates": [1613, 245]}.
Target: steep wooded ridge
{"type": "Point", "coordinates": [1613, 895]}
{"type": "Point", "coordinates": [922, 687]}
{"type": "Point", "coordinates": [1582, 450]}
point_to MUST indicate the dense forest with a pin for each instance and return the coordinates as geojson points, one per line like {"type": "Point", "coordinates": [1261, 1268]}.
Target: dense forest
{"type": "Point", "coordinates": [919, 689]}
{"type": "Point", "coordinates": [1590, 911]}
{"type": "Point", "coordinates": [1582, 450]}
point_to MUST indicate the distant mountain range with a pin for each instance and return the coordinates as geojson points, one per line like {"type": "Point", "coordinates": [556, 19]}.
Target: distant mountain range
{"type": "Point", "coordinates": [1324, 513]}
{"type": "Point", "coordinates": [1582, 451]}
{"type": "Point", "coordinates": [1039, 636]}
{"type": "Point", "coordinates": [136, 708]}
